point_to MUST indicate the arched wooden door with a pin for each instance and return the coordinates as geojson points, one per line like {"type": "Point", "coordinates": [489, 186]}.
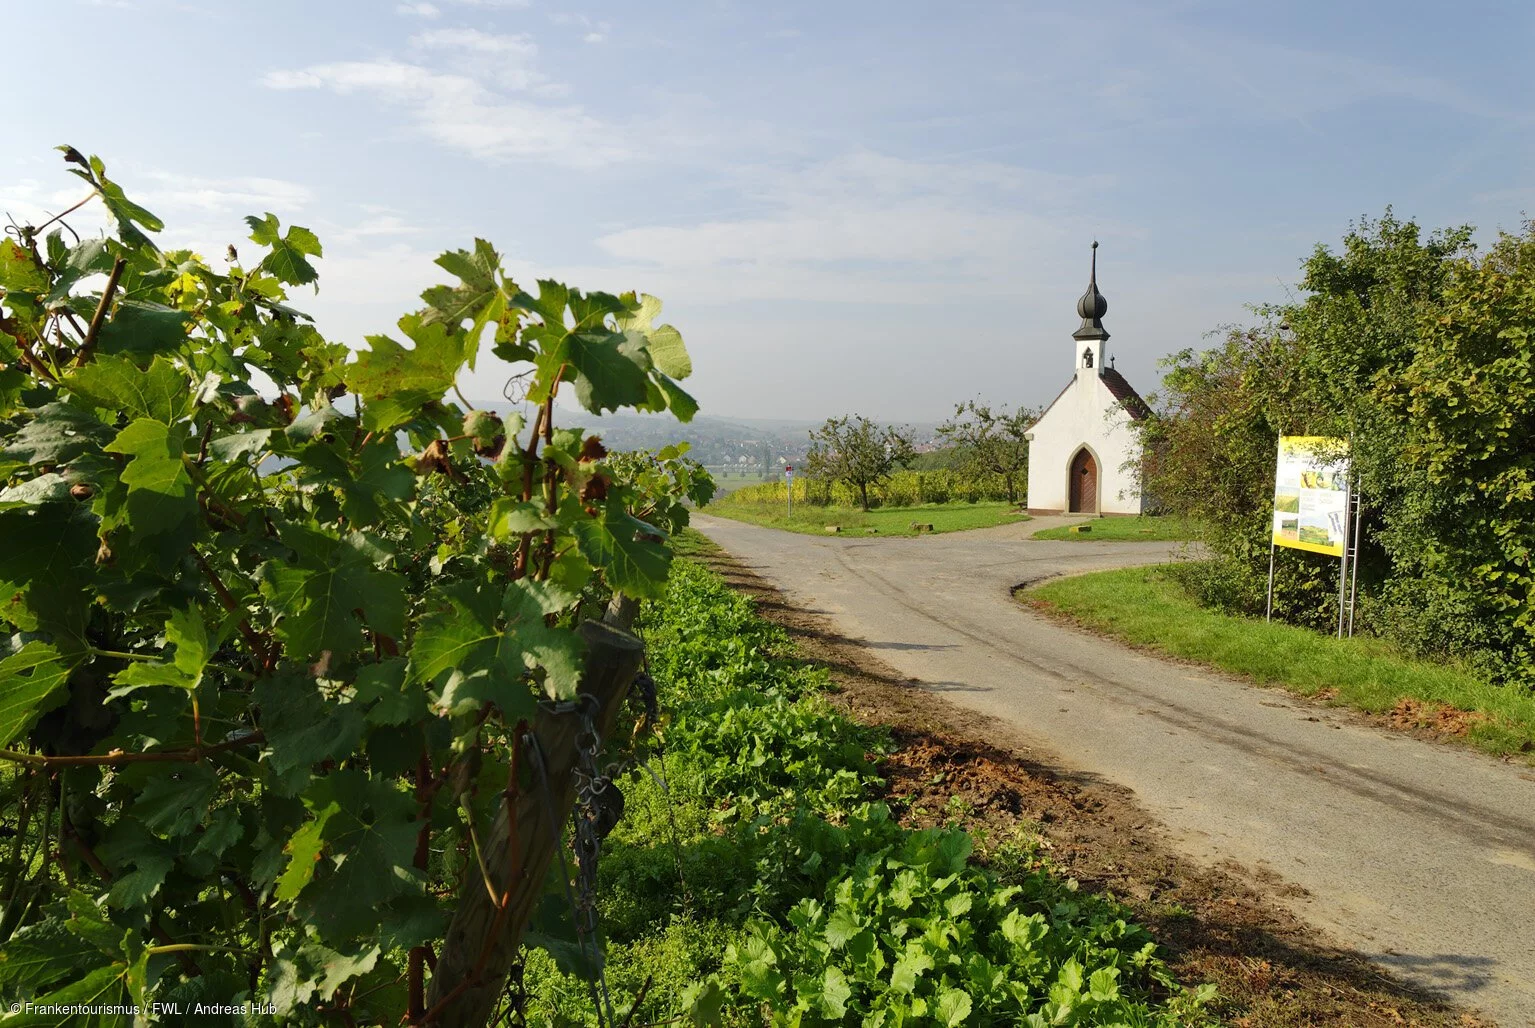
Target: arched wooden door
{"type": "Point", "coordinates": [1084, 483]}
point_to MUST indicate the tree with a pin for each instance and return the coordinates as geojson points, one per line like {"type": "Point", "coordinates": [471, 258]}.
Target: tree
{"type": "Point", "coordinates": [298, 658]}
{"type": "Point", "coordinates": [1417, 349]}
{"type": "Point", "coordinates": [857, 452]}
{"type": "Point", "coordinates": [992, 442]}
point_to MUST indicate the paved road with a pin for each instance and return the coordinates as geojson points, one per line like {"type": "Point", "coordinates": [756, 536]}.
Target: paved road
{"type": "Point", "coordinates": [1419, 855]}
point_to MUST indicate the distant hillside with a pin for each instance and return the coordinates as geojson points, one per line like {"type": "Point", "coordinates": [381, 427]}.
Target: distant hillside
{"type": "Point", "coordinates": [750, 445]}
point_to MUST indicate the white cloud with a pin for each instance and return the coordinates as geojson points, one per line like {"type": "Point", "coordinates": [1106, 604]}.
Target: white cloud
{"type": "Point", "coordinates": [519, 45]}
{"type": "Point", "coordinates": [208, 195]}
{"type": "Point", "coordinates": [506, 60]}
{"type": "Point", "coordinates": [596, 30]}
{"type": "Point", "coordinates": [867, 224]}
{"type": "Point", "coordinates": [419, 10]}
{"type": "Point", "coordinates": [466, 114]}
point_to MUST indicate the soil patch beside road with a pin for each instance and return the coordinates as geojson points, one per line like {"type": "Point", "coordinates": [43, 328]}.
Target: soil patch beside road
{"type": "Point", "coordinates": [1220, 924]}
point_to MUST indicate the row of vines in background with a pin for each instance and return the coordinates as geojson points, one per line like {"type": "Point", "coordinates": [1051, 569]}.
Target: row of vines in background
{"type": "Point", "coordinates": [902, 489]}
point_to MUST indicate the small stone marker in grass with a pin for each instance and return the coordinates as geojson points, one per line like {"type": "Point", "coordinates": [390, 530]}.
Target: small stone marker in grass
{"type": "Point", "coordinates": [1081, 528]}
{"type": "Point", "coordinates": [920, 527]}
{"type": "Point", "coordinates": [833, 528]}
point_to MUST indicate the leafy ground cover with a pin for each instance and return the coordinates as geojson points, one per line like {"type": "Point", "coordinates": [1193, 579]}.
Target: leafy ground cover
{"type": "Point", "coordinates": [813, 520]}
{"type": "Point", "coordinates": [1138, 529]}
{"type": "Point", "coordinates": [1149, 607]}
{"type": "Point", "coordinates": [768, 883]}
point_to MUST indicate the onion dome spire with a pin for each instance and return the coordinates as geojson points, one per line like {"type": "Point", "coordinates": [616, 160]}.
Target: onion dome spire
{"type": "Point", "coordinates": [1092, 307]}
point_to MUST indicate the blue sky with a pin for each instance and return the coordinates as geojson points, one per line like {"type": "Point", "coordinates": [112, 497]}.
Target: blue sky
{"type": "Point", "coordinates": [848, 206]}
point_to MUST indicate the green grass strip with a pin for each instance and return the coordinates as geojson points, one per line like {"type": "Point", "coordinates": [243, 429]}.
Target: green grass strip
{"type": "Point", "coordinates": [1147, 607]}
{"type": "Point", "coordinates": [1137, 529]}
{"type": "Point", "coordinates": [813, 520]}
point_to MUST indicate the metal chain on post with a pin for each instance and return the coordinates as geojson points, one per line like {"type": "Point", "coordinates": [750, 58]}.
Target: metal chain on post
{"type": "Point", "coordinates": [599, 805]}
{"type": "Point", "coordinates": [597, 984]}
{"type": "Point", "coordinates": [516, 1015]}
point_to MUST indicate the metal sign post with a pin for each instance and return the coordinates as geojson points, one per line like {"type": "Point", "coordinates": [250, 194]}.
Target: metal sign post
{"type": "Point", "coordinates": [1348, 495]}
{"type": "Point", "coordinates": [1268, 611]}
{"type": "Point", "coordinates": [788, 481]}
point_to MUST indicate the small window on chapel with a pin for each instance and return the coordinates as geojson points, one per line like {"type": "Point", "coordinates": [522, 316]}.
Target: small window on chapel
{"type": "Point", "coordinates": [1087, 358]}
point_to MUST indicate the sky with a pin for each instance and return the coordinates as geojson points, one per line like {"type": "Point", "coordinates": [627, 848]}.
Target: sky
{"type": "Point", "coordinates": [882, 208]}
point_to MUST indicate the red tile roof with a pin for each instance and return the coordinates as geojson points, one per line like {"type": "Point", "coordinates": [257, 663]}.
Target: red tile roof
{"type": "Point", "coordinates": [1122, 391]}
{"type": "Point", "coordinates": [1125, 393]}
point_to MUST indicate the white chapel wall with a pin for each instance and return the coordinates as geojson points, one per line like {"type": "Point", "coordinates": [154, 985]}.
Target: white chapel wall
{"type": "Point", "coordinates": [1088, 413]}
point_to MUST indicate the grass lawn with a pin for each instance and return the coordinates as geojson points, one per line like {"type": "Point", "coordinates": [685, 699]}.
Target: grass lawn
{"type": "Point", "coordinates": [1147, 607]}
{"type": "Point", "coordinates": [1137, 529]}
{"type": "Point", "coordinates": [732, 480]}
{"type": "Point", "coordinates": [944, 517]}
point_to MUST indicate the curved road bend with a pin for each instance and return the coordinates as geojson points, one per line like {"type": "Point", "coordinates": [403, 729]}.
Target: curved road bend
{"type": "Point", "coordinates": [1420, 856]}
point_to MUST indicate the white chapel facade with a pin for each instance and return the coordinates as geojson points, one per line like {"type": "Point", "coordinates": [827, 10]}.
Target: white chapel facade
{"type": "Point", "coordinates": [1080, 445]}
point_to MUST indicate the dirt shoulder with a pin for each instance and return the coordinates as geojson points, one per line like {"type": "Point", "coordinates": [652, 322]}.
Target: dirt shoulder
{"type": "Point", "coordinates": [1218, 924]}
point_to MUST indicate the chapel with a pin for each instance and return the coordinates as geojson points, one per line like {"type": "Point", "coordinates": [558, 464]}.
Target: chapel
{"type": "Point", "coordinates": [1081, 445]}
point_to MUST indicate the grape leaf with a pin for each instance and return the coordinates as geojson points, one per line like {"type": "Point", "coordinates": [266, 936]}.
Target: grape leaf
{"type": "Point", "coordinates": [478, 299]}
{"type": "Point", "coordinates": [21, 277]}
{"type": "Point", "coordinates": [380, 475]}
{"type": "Point", "coordinates": [117, 384]}
{"type": "Point", "coordinates": [383, 686]}
{"type": "Point", "coordinates": [640, 313]}
{"type": "Point", "coordinates": [286, 261]}
{"type": "Point", "coordinates": [143, 328]}
{"type": "Point", "coordinates": [312, 424]}
{"type": "Point", "coordinates": [31, 683]}
{"type": "Point", "coordinates": [668, 352]}
{"type": "Point", "coordinates": [303, 850]}
{"type": "Point", "coordinates": [301, 727]}
{"type": "Point", "coordinates": [631, 564]}
{"type": "Point", "coordinates": [49, 488]}
{"type": "Point", "coordinates": [606, 377]}
{"type": "Point", "coordinates": [394, 382]}
{"type": "Point", "coordinates": [41, 953]}
{"type": "Point", "coordinates": [139, 676]}
{"type": "Point", "coordinates": [236, 448]}
{"type": "Point", "coordinates": [487, 640]}
{"type": "Point", "coordinates": [173, 803]}
{"type": "Point", "coordinates": [330, 592]}
{"type": "Point", "coordinates": [57, 434]}
{"type": "Point", "coordinates": [104, 987]}
{"type": "Point", "coordinates": [373, 837]}
{"type": "Point", "coordinates": [161, 497]}
{"type": "Point", "coordinates": [89, 921]}
{"type": "Point", "coordinates": [678, 401]}
{"type": "Point", "coordinates": [187, 633]}
{"type": "Point", "coordinates": [129, 844]}
{"type": "Point", "coordinates": [87, 258]}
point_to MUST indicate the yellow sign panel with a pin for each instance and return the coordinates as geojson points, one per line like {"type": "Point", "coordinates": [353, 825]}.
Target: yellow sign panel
{"type": "Point", "coordinates": [1311, 494]}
